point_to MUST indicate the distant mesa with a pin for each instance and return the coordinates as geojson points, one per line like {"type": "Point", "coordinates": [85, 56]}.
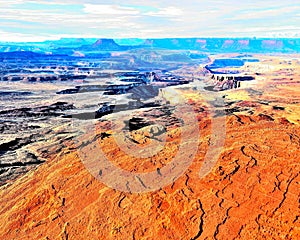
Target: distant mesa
{"type": "Point", "coordinates": [80, 40]}
{"type": "Point", "coordinates": [227, 45]}
{"type": "Point", "coordinates": [20, 54]}
{"type": "Point", "coordinates": [273, 44]}
{"type": "Point", "coordinates": [103, 45]}
{"type": "Point", "coordinates": [106, 44]}
{"type": "Point", "coordinates": [206, 45]}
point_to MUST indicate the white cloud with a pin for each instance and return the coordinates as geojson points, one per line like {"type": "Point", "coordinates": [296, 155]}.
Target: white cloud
{"type": "Point", "coordinates": [8, 3]}
{"type": "Point", "coordinates": [166, 12]}
{"type": "Point", "coordinates": [109, 10]}
{"type": "Point", "coordinates": [147, 19]}
{"type": "Point", "coordinates": [266, 13]}
{"type": "Point", "coordinates": [21, 37]}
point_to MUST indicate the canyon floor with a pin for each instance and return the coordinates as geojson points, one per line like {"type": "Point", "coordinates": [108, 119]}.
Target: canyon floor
{"type": "Point", "coordinates": [250, 191]}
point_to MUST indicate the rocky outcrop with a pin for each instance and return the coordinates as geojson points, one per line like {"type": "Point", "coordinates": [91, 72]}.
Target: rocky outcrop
{"type": "Point", "coordinates": [252, 191]}
{"type": "Point", "coordinates": [103, 45]}
{"type": "Point", "coordinates": [25, 137]}
{"type": "Point", "coordinates": [241, 198]}
{"type": "Point", "coordinates": [51, 110]}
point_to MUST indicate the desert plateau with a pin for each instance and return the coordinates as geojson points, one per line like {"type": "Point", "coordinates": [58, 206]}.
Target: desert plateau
{"type": "Point", "coordinates": [150, 143]}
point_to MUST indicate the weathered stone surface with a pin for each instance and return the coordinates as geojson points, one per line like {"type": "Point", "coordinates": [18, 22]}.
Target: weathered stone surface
{"type": "Point", "coordinates": [251, 193]}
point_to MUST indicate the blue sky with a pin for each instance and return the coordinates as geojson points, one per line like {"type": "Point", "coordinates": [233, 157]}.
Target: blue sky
{"type": "Point", "coordinates": [33, 20]}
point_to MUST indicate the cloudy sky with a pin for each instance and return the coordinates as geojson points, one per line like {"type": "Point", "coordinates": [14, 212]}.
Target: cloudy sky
{"type": "Point", "coordinates": [37, 20]}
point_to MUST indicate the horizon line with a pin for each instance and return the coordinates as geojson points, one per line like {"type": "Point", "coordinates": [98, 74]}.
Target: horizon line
{"type": "Point", "coordinates": [150, 38]}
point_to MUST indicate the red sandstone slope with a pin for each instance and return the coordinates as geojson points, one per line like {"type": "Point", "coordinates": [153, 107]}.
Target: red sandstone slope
{"type": "Point", "coordinates": [251, 193]}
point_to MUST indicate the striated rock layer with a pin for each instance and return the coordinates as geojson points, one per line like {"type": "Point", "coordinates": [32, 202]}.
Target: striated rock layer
{"type": "Point", "coordinates": [252, 192]}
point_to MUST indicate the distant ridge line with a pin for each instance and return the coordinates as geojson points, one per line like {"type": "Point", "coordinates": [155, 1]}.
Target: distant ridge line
{"type": "Point", "coordinates": [68, 46]}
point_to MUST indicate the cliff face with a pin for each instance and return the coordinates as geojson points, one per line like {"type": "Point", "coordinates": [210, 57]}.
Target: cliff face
{"type": "Point", "coordinates": [252, 191]}
{"type": "Point", "coordinates": [212, 45]}
{"type": "Point", "coordinates": [224, 45]}
{"type": "Point", "coordinates": [106, 44]}
{"type": "Point", "coordinates": [102, 45]}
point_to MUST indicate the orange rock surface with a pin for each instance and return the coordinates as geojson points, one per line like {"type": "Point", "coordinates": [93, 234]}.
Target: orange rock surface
{"type": "Point", "coordinates": [252, 192]}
